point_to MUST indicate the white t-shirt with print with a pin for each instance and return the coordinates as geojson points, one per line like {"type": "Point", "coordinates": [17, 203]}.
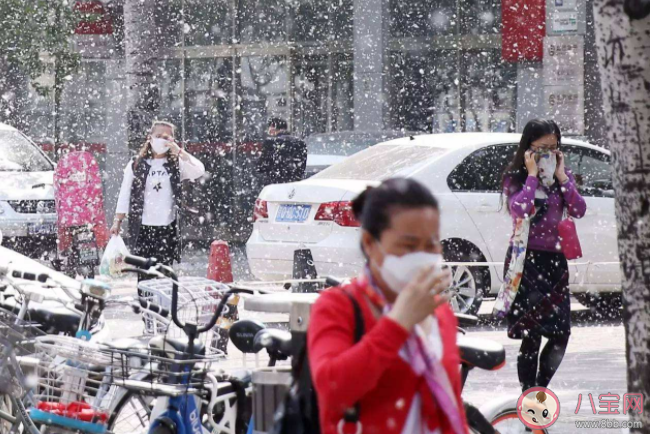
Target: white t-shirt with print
{"type": "Point", "coordinates": [158, 199]}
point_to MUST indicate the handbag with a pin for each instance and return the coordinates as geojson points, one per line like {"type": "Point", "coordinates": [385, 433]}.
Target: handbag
{"type": "Point", "coordinates": [298, 414]}
{"type": "Point", "coordinates": [569, 240]}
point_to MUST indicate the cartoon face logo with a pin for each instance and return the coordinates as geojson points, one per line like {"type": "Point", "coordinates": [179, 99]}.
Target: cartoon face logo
{"type": "Point", "coordinates": [538, 408]}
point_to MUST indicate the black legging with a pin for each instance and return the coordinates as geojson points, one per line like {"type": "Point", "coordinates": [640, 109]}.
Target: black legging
{"type": "Point", "coordinates": [550, 360]}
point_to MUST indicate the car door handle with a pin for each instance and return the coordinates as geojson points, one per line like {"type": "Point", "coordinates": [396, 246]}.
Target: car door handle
{"type": "Point", "coordinates": [484, 206]}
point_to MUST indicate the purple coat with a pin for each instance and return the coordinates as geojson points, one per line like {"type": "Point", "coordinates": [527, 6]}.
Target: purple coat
{"type": "Point", "coordinates": [544, 234]}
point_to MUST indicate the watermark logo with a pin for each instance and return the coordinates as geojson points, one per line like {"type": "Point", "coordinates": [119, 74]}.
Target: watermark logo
{"type": "Point", "coordinates": [538, 408]}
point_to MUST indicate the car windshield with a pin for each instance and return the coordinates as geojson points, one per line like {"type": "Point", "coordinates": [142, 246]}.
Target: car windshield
{"type": "Point", "coordinates": [17, 154]}
{"type": "Point", "coordinates": [381, 162]}
{"type": "Point", "coordinates": [344, 145]}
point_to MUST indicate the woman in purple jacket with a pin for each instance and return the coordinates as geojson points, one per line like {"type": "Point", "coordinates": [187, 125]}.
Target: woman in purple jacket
{"type": "Point", "coordinates": [537, 183]}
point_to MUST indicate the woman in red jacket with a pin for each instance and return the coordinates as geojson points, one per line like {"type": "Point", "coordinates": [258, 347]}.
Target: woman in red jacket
{"type": "Point", "coordinates": [404, 373]}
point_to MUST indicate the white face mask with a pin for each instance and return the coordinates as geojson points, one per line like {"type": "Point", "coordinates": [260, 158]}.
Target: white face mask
{"type": "Point", "coordinates": [158, 145]}
{"type": "Point", "coordinates": [546, 166]}
{"type": "Point", "coordinates": [399, 271]}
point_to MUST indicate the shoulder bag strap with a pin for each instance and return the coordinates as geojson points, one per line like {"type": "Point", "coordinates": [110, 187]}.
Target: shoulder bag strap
{"type": "Point", "coordinates": [352, 414]}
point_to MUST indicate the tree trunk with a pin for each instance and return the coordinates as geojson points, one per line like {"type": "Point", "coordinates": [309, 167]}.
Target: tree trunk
{"type": "Point", "coordinates": [140, 50]}
{"type": "Point", "coordinates": [623, 42]}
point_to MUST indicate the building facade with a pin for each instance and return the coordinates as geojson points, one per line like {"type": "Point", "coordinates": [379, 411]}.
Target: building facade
{"type": "Point", "coordinates": [225, 66]}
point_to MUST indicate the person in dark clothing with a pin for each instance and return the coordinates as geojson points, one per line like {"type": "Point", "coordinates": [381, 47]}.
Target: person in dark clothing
{"type": "Point", "coordinates": [539, 190]}
{"type": "Point", "coordinates": [284, 157]}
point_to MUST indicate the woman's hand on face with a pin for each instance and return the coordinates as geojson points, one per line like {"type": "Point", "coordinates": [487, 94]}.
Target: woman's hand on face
{"type": "Point", "coordinates": [172, 145]}
{"type": "Point", "coordinates": [421, 297]}
{"type": "Point", "coordinates": [560, 171]}
{"type": "Point", "coordinates": [531, 164]}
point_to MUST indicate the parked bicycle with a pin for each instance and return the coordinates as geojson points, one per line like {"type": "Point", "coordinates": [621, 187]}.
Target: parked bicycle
{"type": "Point", "coordinates": [179, 390]}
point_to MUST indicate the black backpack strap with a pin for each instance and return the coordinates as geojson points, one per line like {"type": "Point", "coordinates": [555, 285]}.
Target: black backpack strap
{"type": "Point", "coordinates": [352, 414]}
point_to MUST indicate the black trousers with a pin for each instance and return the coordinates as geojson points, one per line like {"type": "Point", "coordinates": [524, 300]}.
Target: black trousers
{"type": "Point", "coordinates": [157, 242]}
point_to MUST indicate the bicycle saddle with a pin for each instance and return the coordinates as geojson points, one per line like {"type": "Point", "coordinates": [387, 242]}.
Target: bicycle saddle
{"type": "Point", "coordinates": [127, 344]}
{"type": "Point", "coordinates": [54, 320]}
{"type": "Point", "coordinates": [242, 334]}
{"type": "Point", "coordinates": [480, 353]}
{"type": "Point", "coordinates": [51, 320]}
{"type": "Point", "coordinates": [164, 344]}
{"type": "Point", "coordinates": [277, 343]}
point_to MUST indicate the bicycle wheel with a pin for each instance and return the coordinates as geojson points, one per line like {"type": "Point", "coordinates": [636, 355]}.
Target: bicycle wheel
{"type": "Point", "coordinates": [131, 414]}
{"type": "Point", "coordinates": [508, 422]}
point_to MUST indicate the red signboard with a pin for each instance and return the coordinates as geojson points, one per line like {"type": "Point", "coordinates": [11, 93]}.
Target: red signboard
{"type": "Point", "coordinates": [95, 20]}
{"type": "Point", "coordinates": [524, 27]}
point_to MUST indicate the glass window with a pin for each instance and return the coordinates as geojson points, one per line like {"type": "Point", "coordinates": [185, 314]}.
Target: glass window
{"type": "Point", "coordinates": [382, 162]}
{"type": "Point", "coordinates": [311, 21]}
{"type": "Point", "coordinates": [208, 22]}
{"type": "Point", "coordinates": [482, 170]}
{"type": "Point", "coordinates": [209, 100]}
{"type": "Point", "coordinates": [480, 17]}
{"type": "Point", "coordinates": [170, 85]}
{"type": "Point", "coordinates": [316, 21]}
{"type": "Point", "coordinates": [423, 18]}
{"type": "Point", "coordinates": [342, 93]}
{"type": "Point", "coordinates": [311, 88]}
{"type": "Point", "coordinates": [83, 114]}
{"type": "Point", "coordinates": [39, 119]}
{"type": "Point", "coordinates": [591, 169]}
{"type": "Point", "coordinates": [263, 20]}
{"type": "Point", "coordinates": [264, 93]}
{"type": "Point", "coordinates": [17, 154]}
{"type": "Point", "coordinates": [424, 91]}
{"type": "Point", "coordinates": [488, 92]}
{"type": "Point", "coordinates": [168, 17]}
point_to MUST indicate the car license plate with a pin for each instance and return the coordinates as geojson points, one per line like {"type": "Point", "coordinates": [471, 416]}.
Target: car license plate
{"type": "Point", "coordinates": [293, 213]}
{"type": "Point", "coordinates": [41, 229]}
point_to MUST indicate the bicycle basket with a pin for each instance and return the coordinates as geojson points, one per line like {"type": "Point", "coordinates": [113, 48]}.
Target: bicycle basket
{"type": "Point", "coordinates": [198, 298]}
{"type": "Point", "coordinates": [163, 370]}
{"type": "Point", "coordinates": [18, 333]}
{"type": "Point", "coordinates": [73, 377]}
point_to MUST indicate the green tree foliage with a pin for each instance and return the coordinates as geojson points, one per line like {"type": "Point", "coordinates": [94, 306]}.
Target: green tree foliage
{"type": "Point", "coordinates": [35, 35]}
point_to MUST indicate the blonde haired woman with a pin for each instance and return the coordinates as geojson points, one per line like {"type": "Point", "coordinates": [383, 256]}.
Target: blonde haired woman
{"type": "Point", "coordinates": [151, 195]}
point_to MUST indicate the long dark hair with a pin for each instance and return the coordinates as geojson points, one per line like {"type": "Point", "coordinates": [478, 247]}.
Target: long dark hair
{"type": "Point", "coordinates": [535, 129]}
{"type": "Point", "coordinates": [374, 206]}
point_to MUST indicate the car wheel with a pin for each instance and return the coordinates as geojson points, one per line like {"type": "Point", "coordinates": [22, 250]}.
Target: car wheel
{"type": "Point", "coordinates": [468, 283]}
{"type": "Point", "coordinates": [608, 304]}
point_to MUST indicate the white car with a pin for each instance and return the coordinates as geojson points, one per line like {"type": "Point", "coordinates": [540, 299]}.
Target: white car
{"type": "Point", "coordinates": [325, 149]}
{"type": "Point", "coordinates": [464, 171]}
{"type": "Point", "coordinates": [27, 210]}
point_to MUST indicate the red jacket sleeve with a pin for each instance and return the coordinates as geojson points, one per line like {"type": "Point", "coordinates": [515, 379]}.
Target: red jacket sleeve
{"type": "Point", "coordinates": [344, 372]}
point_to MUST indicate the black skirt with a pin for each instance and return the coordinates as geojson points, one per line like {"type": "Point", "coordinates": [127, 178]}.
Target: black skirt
{"type": "Point", "coordinates": [542, 305]}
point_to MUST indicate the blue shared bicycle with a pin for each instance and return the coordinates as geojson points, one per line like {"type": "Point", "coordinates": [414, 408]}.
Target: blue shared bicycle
{"type": "Point", "coordinates": [181, 367]}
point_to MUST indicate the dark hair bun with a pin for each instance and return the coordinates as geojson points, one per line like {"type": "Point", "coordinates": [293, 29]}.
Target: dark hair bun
{"type": "Point", "coordinates": [373, 207]}
{"type": "Point", "coordinates": [359, 203]}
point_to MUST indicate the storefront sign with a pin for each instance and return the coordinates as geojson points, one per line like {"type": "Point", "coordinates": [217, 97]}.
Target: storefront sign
{"type": "Point", "coordinates": [566, 17]}
{"type": "Point", "coordinates": [522, 37]}
{"type": "Point", "coordinates": [565, 105]}
{"type": "Point", "coordinates": [564, 60]}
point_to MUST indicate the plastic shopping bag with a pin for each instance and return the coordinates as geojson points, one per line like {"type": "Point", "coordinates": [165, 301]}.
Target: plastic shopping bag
{"type": "Point", "coordinates": [113, 260]}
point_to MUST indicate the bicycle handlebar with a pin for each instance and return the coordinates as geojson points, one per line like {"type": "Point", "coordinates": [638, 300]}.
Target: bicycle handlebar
{"type": "Point", "coordinates": [140, 262]}
{"type": "Point", "coordinates": [153, 307]}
